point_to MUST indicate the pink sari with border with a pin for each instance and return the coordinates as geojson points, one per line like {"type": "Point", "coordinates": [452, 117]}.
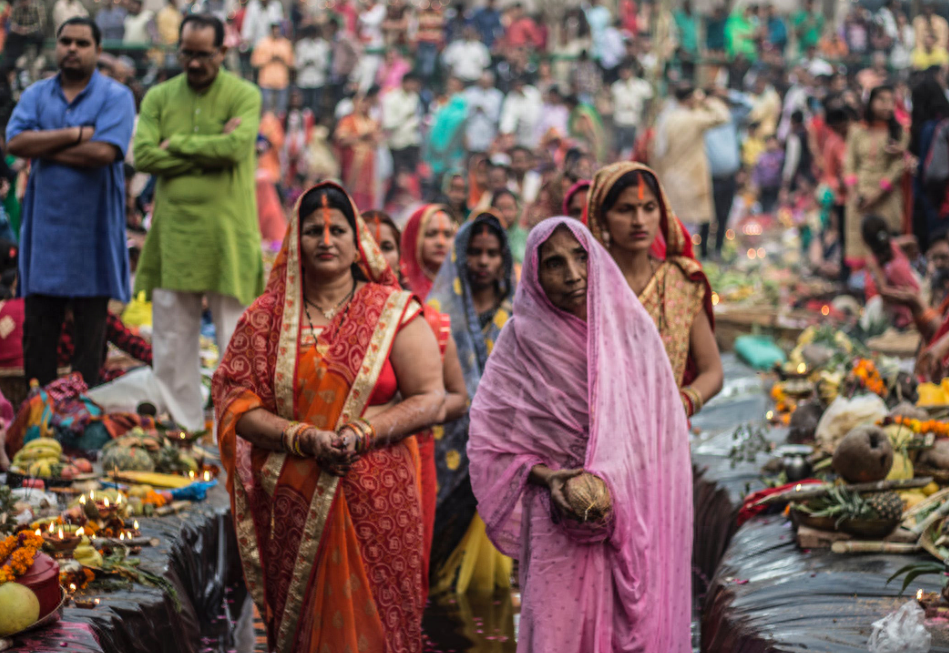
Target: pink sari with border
{"type": "Point", "coordinates": [598, 395]}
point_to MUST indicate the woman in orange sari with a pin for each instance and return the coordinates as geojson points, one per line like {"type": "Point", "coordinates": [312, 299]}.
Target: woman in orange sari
{"type": "Point", "coordinates": [357, 136]}
{"type": "Point", "coordinates": [629, 214]}
{"type": "Point", "coordinates": [322, 473]}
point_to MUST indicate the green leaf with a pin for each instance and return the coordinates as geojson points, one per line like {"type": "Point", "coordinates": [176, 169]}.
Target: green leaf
{"type": "Point", "coordinates": [916, 570]}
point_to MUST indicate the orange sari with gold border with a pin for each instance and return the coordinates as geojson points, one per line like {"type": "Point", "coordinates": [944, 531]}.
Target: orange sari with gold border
{"type": "Point", "coordinates": [333, 564]}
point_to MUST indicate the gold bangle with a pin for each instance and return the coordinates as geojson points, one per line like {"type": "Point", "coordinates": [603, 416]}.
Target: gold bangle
{"type": "Point", "coordinates": [695, 397]}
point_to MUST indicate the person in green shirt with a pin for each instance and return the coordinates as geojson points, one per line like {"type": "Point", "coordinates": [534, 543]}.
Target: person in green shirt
{"type": "Point", "coordinates": [808, 25]}
{"type": "Point", "coordinates": [687, 24]}
{"type": "Point", "coordinates": [740, 33]}
{"type": "Point", "coordinates": [197, 134]}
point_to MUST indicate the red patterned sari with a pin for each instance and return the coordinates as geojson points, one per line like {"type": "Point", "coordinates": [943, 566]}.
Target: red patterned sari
{"type": "Point", "coordinates": [679, 289]}
{"type": "Point", "coordinates": [333, 564]}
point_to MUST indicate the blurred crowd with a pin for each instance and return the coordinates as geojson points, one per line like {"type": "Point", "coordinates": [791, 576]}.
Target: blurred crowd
{"type": "Point", "coordinates": [820, 116]}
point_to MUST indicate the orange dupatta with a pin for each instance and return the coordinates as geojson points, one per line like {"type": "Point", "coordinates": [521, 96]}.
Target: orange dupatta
{"type": "Point", "coordinates": [310, 542]}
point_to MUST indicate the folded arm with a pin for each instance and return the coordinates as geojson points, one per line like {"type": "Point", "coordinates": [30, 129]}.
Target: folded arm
{"type": "Point", "coordinates": [148, 153]}
{"type": "Point", "coordinates": [227, 149]}
{"type": "Point", "coordinates": [36, 144]}
{"type": "Point", "coordinates": [94, 154]}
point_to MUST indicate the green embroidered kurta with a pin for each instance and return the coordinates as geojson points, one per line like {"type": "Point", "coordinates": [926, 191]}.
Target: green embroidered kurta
{"type": "Point", "coordinates": [204, 235]}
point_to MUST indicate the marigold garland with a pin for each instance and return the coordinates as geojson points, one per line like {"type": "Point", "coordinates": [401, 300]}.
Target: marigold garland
{"type": "Point", "coordinates": [939, 429]}
{"type": "Point", "coordinates": [866, 372]}
{"type": "Point", "coordinates": [21, 550]}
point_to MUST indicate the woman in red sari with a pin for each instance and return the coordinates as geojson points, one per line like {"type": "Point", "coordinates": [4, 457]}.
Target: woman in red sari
{"type": "Point", "coordinates": [387, 236]}
{"type": "Point", "coordinates": [629, 214]}
{"type": "Point", "coordinates": [323, 476]}
{"type": "Point", "coordinates": [425, 243]}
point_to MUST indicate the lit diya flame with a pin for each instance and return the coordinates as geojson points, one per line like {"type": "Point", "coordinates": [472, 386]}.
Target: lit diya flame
{"type": "Point", "coordinates": [919, 595]}
{"type": "Point", "coordinates": [60, 533]}
{"type": "Point", "coordinates": [801, 368]}
{"type": "Point", "coordinates": [82, 499]}
{"type": "Point", "coordinates": [207, 476]}
{"type": "Point", "coordinates": [122, 535]}
{"type": "Point", "coordinates": [105, 502]}
{"type": "Point", "coordinates": [769, 415]}
{"type": "Point", "coordinates": [118, 499]}
{"type": "Point", "coordinates": [191, 475]}
{"type": "Point", "coordinates": [51, 527]}
{"type": "Point", "coordinates": [135, 524]}
{"type": "Point", "coordinates": [72, 587]}
{"type": "Point", "coordinates": [81, 531]}
{"type": "Point", "coordinates": [92, 495]}
{"type": "Point", "coordinates": [38, 532]}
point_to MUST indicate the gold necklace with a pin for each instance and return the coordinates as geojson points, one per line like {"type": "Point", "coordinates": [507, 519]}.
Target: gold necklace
{"type": "Point", "coordinates": [331, 313]}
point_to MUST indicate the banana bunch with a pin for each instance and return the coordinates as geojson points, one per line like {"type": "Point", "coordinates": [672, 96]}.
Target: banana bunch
{"type": "Point", "coordinates": [828, 386]}
{"type": "Point", "coordinates": [86, 554]}
{"type": "Point", "coordinates": [40, 457]}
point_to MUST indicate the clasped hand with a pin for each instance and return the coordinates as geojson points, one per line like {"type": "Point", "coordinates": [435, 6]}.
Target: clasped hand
{"type": "Point", "coordinates": [336, 453]}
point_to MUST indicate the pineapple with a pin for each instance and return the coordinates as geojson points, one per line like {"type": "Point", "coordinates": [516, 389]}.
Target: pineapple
{"type": "Point", "coordinates": [887, 505]}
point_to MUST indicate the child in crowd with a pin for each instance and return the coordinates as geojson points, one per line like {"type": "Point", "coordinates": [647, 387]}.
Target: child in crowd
{"type": "Point", "coordinates": [767, 174]}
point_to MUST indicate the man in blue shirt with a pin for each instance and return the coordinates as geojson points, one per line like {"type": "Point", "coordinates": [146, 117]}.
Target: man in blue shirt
{"type": "Point", "coordinates": [76, 128]}
{"type": "Point", "coordinates": [487, 20]}
{"type": "Point", "coordinates": [724, 162]}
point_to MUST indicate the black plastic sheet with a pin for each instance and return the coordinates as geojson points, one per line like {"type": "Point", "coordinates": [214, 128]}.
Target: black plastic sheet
{"type": "Point", "coordinates": [198, 555]}
{"type": "Point", "coordinates": [768, 595]}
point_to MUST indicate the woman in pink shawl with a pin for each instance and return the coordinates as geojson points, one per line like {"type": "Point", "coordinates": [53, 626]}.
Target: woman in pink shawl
{"type": "Point", "coordinates": [579, 379]}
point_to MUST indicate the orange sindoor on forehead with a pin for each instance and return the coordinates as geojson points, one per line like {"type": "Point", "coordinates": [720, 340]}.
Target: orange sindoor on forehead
{"type": "Point", "coordinates": [642, 188]}
{"type": "Point", "coordinates": [326, 221]}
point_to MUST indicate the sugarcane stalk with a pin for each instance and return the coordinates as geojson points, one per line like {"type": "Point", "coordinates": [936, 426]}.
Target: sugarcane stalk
{"type": "Point", "coordinates": [172, 508]}
{"type": "Point", "coordinates": [873, 547]}
{"type": "Point", "coordinates": [807, 492]}
{"type": "Point", "coordinates": [923, 505]}
{"type": "Point", "coordinates": [931, 519]}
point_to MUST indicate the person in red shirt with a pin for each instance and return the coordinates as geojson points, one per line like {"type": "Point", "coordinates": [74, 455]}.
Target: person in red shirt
{"type": "Point", "coordinates": [522, 31]}
{"type": "Point", "coordinates": [832, 153]}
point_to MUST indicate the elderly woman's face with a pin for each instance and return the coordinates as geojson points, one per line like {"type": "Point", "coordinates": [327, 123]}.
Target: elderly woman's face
{"type": "Point", "coordinates": [562, 263]}
{"type": "Point", "coordinates": [328, 243]}
{"type": "Point", "coordinates": [634, 220]}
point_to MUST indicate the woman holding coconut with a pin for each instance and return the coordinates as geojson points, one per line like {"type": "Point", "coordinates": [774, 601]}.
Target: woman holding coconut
{"type": "Point", "coordinates": [582, 473]}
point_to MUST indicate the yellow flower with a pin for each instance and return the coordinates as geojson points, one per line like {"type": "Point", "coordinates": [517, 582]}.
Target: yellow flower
{"type": "Point", "coordinates": [453, 459]}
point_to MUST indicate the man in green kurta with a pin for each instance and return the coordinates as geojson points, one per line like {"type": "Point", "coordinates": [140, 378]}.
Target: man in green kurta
{"type": "Point", "coordinates": [197, 133]}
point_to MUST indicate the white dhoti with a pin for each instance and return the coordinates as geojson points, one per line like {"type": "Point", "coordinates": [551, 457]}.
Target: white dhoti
{"type": "Point", "coordinates": [176, 348]}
